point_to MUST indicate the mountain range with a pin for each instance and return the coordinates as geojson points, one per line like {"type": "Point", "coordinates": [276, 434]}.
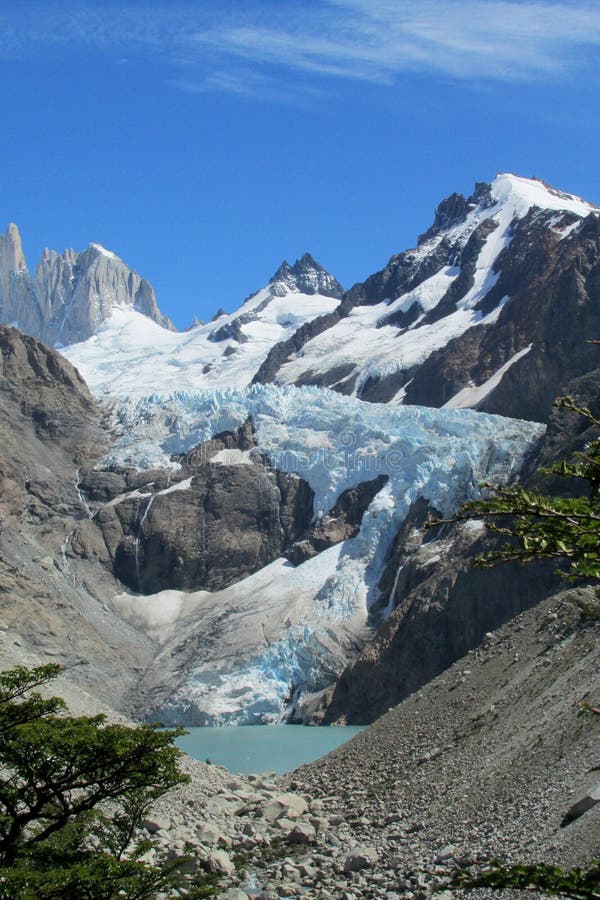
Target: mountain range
{"type": "Point", "coordinates": [224, 525]}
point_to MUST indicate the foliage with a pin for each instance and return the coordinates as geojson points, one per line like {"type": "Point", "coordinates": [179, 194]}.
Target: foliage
{"type": "Point", "coordinates": [548, 527]}
{"type": "Point", "coordinates": [581, 884]}
{"type": "Point", "coordinates": [73, 795]}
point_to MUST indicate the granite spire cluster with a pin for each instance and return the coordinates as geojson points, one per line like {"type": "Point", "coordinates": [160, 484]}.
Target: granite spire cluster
{"type": "Point", "coordinates": [71, 294]}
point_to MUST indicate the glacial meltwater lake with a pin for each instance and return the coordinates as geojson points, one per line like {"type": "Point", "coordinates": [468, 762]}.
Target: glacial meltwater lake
{"type": "Point", "coordinates": [263, 748]}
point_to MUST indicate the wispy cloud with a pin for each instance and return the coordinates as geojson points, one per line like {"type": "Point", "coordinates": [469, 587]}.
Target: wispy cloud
{"type": "Point", "coordinates": [244, 82]}
{"type": "Point", "coordinates": [255, 50]}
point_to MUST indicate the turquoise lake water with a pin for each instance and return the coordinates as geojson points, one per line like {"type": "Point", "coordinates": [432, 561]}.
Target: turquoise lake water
{"type": "Point", "coordinates": [263, 748]}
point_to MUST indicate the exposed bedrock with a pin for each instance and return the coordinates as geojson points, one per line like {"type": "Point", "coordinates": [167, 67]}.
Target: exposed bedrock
{"type": "Point", "coordinates": [339, 524]}
{"type": "Point", "coordinates": [209, 524]}
{"type": "Point", "coordinates": [203, 526]}
{"type": "Point", "coordinates": [50, 425]}
{"type": "Point", "coordinates": [445, 607]}
{"type": "Point", "coordinates": [49, 428]}
{"type": "Point", "coordinates": [230, 522]}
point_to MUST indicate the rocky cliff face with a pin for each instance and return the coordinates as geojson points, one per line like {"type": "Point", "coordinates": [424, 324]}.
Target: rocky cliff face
{"type": "Point", "coordinates": [50, 428]}
{"type": "Point", "coordinates": [202, 526]}
{"type": "Point", "coordinates": [17, 303]}
{"type": "Point", "coordinates": [71, 294]}
{"type": "Point", "coordinates": [442, 608]}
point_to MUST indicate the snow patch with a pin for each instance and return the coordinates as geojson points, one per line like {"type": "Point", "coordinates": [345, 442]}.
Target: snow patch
{"type": "Point", "coordinates": [178, 486]}
{"type": "Point", "coordinates": [469, 397]}
{"type": "Point", "coordinates": [234, 457]}
{"type": "Point", "coordinates": [108, 253]}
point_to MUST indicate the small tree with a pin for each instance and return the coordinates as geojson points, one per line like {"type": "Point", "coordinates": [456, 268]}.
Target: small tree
{"type": "Point", "coordinates": [541, 526]}
{"type": "Point", "coordinates": [580, 884]}
{"type": "Point", "coordinates": [73, 794]}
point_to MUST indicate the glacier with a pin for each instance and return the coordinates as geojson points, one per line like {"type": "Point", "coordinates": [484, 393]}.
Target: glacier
{"type": "Point", "coordinates": [285, 631]}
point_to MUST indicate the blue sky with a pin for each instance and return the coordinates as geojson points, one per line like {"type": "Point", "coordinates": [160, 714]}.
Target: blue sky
{"type": "Point", "coordinates": [205, 142]}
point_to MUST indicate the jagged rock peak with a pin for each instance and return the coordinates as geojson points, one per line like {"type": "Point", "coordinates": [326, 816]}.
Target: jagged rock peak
{"type": "Point", "coordinates": [71, 294]}
{"type": "Point", "coordinates": [195, 324]}
{"type": "Point", "coordinates": [306, 276]}
{"type": "Point", "coordinates": [454, 209]}
{"type": "Point", "coordinates": [15, 283]}
{"type": "Point", "coordinates": [77, 292]}
{"type": "Point", "coordinates": [506, 189]}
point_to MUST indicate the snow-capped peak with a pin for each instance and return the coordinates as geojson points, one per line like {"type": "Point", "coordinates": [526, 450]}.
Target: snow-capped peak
{"type": "Point", "coordinates": [523, 193]}
{"type": "Point", "coordinates": [426, 297]}
{"type": "Point", "coordinates": [508, 196]}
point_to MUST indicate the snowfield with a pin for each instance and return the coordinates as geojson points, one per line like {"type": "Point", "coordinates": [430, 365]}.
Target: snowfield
{"type": "Point", "coordinates": [131, 355]}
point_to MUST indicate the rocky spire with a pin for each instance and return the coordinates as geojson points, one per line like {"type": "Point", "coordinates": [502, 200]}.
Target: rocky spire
{"type": "Point", "coordinates": [16, 302]}
{"type": "Point", "coordinates": [455, 209]}
{"type": "Point", "coordinates": [71, 293]}
{"type": "Point", "coordinates": [306, 276]}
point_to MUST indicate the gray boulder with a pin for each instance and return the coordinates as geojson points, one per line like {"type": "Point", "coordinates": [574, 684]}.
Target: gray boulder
{"type": "Point", "coordinates": [583, 805]}
{"type": "Point", "coordinates": [360, 858]}
{"type": "Point", "coordinates": [220, 863]}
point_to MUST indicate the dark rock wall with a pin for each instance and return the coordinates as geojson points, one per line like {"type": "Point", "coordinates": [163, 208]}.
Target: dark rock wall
{"type": "Point", "coordinates": [445, 608]}
{"type": "Point", "coordinates": [230, 522]}
{"type": "Point", "coordinates": [554, 290]}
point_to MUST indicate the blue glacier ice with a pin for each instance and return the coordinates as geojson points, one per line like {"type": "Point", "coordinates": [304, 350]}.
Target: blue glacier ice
{"type": "Point", "coordinates": [334, 442]}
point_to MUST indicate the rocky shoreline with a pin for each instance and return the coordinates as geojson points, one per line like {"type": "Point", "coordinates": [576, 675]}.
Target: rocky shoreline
{"type": "Point", "coordinates": [480, 764]}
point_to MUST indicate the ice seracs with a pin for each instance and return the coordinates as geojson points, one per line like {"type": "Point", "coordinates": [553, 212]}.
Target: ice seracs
{"type": "Point", "coordinates": [287, 630]}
